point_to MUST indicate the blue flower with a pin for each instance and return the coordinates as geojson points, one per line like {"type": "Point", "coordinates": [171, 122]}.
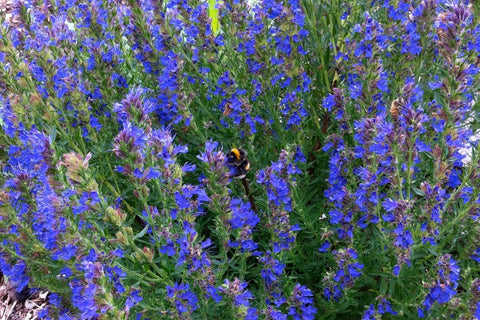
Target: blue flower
{"type": "Point", "coordinates": [66, 272]}
{"type": "Point", "coordinates": [245, 219]}
{"type": "Point", "coordinates": [133, 300]}
{"type": "Point", "coordinates": [54, 299]}
{"type": "Point", "coordinates": [347, 270]}
{"type": "Point", "coordinates": [385, 306]}
{"type": "Point", "coordinates": [119, 80]}
{"type": "Point", "coordinates": [237, 290]}
{"type": "Point", "coordinates": [390, 205]}
{"type": "Point", "coordinates": [477, 310]}
{"type": "Point", "coordinates": [65, 253]}
{"type": "Point", "coordinates": [325, 246]}
{"type": "Point", "coordinates": [442, 289]}
{"type": "Point", "coordinates": [16, 273]}
{"type": "Point", "coordinates": [382, 83]}
{"type": "Point", "coordinates": [213, 293]}
{"type": "Point", "coordinates": [169, 248]}
{"type": "Point", "coordinates": [184, 300]}
{"type": "Point", "coordinates": [404, 238]}
{"type": "Point", "coordinates": [182, 201]}
{"type": "Point", "coordinates": [369, 314]}
{"type": "Point", "coordinates": [83, 298]}
{"type": "Point", "coordinates": [301, 303]}
{"type": "Point", "coordinates": [476, 255]}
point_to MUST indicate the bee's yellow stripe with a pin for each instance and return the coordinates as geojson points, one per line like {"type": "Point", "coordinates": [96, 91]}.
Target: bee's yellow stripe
{"type": "Point", "coordinates": [236, 153]}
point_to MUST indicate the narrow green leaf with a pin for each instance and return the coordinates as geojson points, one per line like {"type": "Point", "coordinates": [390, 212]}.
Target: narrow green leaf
{"type": "Point", "coordinates": [213, 14]}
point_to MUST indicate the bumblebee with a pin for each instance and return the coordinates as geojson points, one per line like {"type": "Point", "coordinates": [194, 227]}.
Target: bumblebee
{"type": "Point", "coordinates": [395, 107]}
{"type": "Point", "coordinates": [238, 162]}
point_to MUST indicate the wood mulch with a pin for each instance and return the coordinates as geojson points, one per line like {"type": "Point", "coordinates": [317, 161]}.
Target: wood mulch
{"type": "Point", "coordinates": [15, 307]}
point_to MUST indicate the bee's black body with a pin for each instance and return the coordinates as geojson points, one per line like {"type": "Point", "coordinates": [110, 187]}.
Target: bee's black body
{"type": "Point", "coordinates": [237, 160]}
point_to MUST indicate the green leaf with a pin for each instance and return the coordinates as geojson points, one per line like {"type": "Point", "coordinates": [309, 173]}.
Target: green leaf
{"type": "Point", "coordinates": [383, 286]}
{"type": "Point", "coordinates": [142, 233]}
{"type": "Point", "coordinates": [213, 14]}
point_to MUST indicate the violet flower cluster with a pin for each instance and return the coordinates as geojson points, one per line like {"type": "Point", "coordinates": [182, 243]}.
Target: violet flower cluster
{"type": "Point", "coordinates": [396, 166]}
